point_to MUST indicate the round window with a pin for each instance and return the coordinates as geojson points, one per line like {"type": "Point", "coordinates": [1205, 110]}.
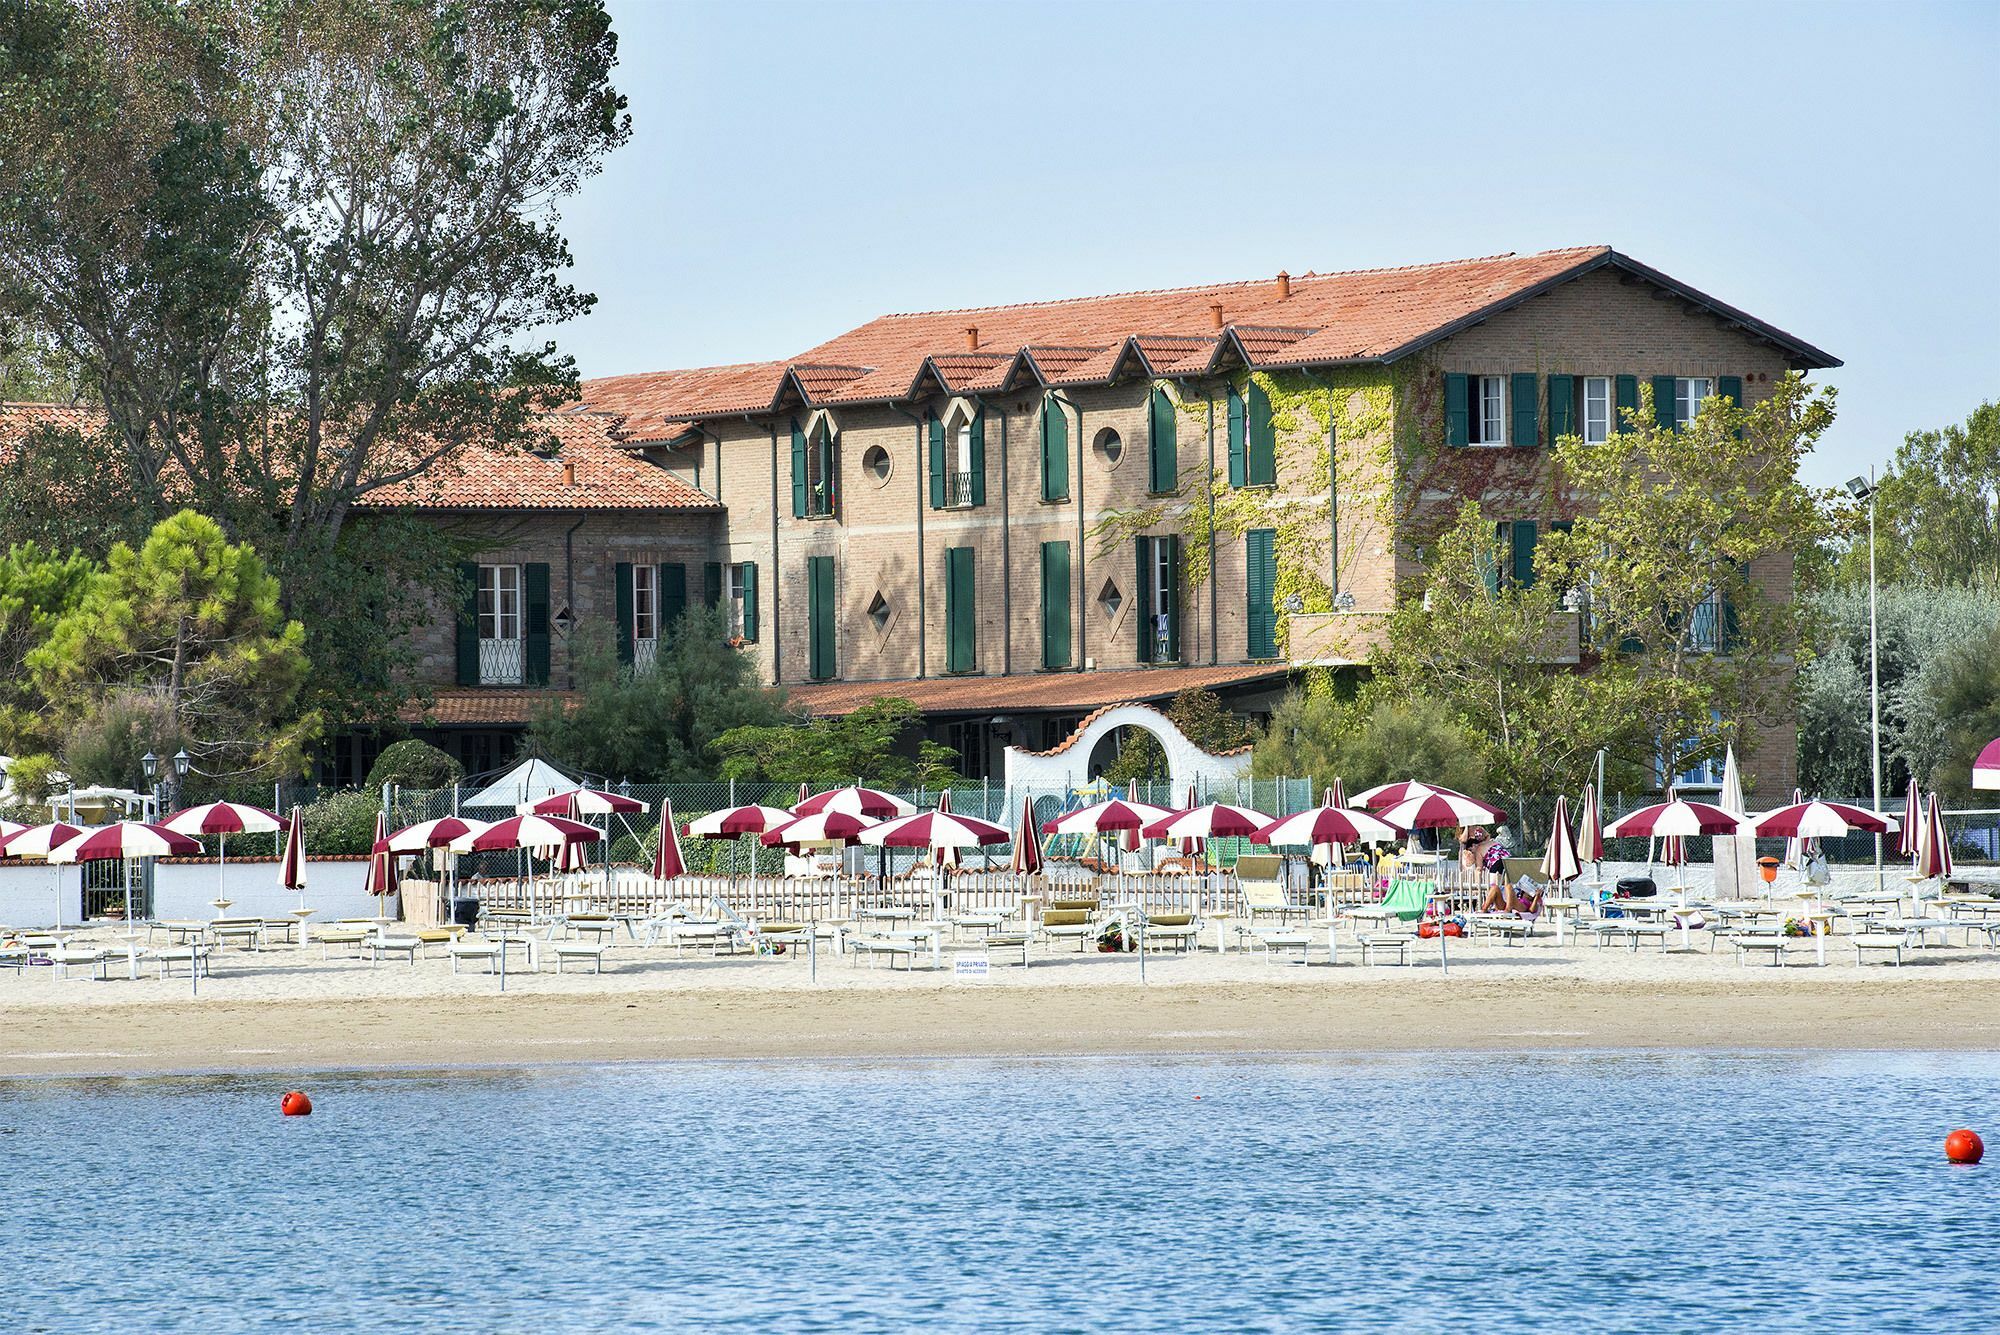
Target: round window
{"type": "Point", "coordinates": [1109, 448]}
{"type": "Point", "coordinates": [875, 460]}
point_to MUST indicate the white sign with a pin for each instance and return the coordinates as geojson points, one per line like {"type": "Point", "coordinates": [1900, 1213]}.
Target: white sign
{"type": "Point", "coordinates": [966, 970]}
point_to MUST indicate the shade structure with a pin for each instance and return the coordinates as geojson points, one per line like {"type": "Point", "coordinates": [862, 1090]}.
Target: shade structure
{"type": "Point", "coordinates": [1561, 863]}
{"type": "Point", "coordinates": [667, 860]}
{"type": "Point", "coordinates": [1110, 817]}
{"type": "Point", "coordinates": [935, 830]}
{"type": "Point", "coordinates": [1821, 820]}
{"type": "Point", "coordinates": [1912, 833]}
{"type": "Point", "coordinates": [426, 834]}
{"type": "Point", "coordinates": [292, 865]}
{"type": "Point", "coordinates": [38, 841]}
{"type": "Point", "coordinates": [1027, 859]}
{"type": "Point", "coordinates": [569, 857]}
{"type": "Point", "coordinates": [1439, 810]}
{"type": "Point", "coordinates": [223, 818]}
{"type": "Point", "coordinates": [1934, 849]}
{"type": "Point", "coordinates": [535, 834]}
{"type": "Point", "coordinates": [1986, 766]}
{"type": "Point", "coordinates": [580, 802]}
{"type": "Point", "coordinates": [820, 827]}
{"type": "Point", "coordinates": [855, 801]}
{"type": "Point", "coordinates": [382, 878]}
{"type": "Point", "coordinates": [1327, 825]}
{"type": "Point", "coordinates": [1680, 818]}
{"type": "Point", "coordinates": [1385, 795]}
{"type": "Point", "coordinates": [1590, 827]}
{"type": "Point", "coordinates": [731, 822]}
{"type": "Point", "coordinates": [1332, 853]}
{"type": "Point", "coordinates": [8, 829]}
{"type": "Point", "coordinates": [1216, 820]}
{"type": "Point", "coordinates": [124, 839]}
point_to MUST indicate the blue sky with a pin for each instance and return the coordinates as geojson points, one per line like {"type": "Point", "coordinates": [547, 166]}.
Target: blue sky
{"type": "Point", "coordinates": [798, 168]}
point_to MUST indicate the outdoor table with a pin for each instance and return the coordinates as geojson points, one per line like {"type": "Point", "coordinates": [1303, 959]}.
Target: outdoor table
{"type": "Point", "coordinates": [1561, 911]}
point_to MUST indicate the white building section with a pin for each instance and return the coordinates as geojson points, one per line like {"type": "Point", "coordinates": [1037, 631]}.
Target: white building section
{"type": "Point", "coordinates": [1067, 765]}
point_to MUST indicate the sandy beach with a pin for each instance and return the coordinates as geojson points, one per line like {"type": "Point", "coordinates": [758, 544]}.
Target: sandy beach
{"type": "Point", "coordinates": [282, 1010]}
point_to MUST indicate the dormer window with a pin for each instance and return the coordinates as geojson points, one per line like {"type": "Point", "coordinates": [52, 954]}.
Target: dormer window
{"type": "Point", "coordinates": [958, 457]}
{"type": "Point", "coordinates": [815, 469]}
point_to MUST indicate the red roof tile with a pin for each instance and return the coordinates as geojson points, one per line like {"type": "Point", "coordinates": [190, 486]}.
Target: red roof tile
{"type": "Point", "coordinates": [1029, 691]}
{"type": "Point", "coordinates": [474, 706]}
{"type": "Point", "coordinates": [650, 400]}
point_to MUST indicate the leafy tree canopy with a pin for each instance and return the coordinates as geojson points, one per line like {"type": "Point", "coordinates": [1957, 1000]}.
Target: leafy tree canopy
{"type": "Point", "coordinates": [872, 745]}
{"type": "Point", "coordinates": [1367, 741]}
{"type": "Point", "coordinates": [1938, 511]}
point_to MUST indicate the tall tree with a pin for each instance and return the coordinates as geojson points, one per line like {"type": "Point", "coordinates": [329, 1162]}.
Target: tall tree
{"type": "Point", "coordinates": [1938, 511]}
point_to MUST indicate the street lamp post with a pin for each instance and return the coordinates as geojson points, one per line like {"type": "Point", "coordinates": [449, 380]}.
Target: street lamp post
{"type": "Point", "coordinates": [1865, 489]}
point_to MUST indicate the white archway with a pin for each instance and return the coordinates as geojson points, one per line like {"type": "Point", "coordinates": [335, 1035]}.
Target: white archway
{"type": "Point", "coordinates": [1067, 764]}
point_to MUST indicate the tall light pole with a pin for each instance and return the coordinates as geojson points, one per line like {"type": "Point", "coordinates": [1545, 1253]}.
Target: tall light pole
{"type": "Point", "coordinates": [1865, 489]}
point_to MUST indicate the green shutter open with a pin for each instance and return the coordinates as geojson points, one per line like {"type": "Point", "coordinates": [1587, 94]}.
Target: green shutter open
{"type": "Point", "coordinates": [1237, 443]}
{"type": "Point", "coordinates": [1627, 391]}
{"type": "Point", "coordinates": [1457, 410]}
{"type": "Point", "coordinates": [1145, 617]}
{"type": "Point", "coordinates": [1731, 387]}
{"type": "Point", "coordinates": [673, 586]}
{"type": "Point", "coordinates": [1055, 452]}
{"type": "Point", "coordinates": [468, 624]}
{"type": "Point", "coordinates": [1261, 458]}
{"type": "Point", "coordinates": [1562, 407]}
{"type": "Point", "coordinates": [749, 572]}
{"type": "Point", "coordinates": [1163, 463]}
{"type": "Point", "coordinates": [624, 605]}
{"type": "Point", "coordinates": [1524, 394]}
{"type": "Point", "coordinates": [535, 600]}
{"type": "Point", "coordinates": [819, 617]}
{"type": "Point", "coordinates": [936, 432]}
{"type": "Point", "coordinates": [979, 457]}
{"type": "Point", "coordinates": [960, 614]}
{"type": "Point", "coordinates": [1260, 547]}
{"type": "Point", "coordinates": [798, 471]}
{"type": "Point", "coordinates": [1663, 402]}
{"type": "Point", "coordinates": [1055, 604]}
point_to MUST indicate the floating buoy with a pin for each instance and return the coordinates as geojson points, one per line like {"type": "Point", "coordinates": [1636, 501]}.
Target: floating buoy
{"type": "Point", "coordinates": [1963, 1146]}
{"type": "Point", "coordinates": [296, 1104]}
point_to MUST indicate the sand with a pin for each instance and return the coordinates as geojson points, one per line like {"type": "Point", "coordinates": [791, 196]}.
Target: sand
{"type": "Point", "coordinates": [283, 1010]}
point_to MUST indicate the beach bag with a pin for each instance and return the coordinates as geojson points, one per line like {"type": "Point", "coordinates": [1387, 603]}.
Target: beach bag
{"type": "Point", "coordinates": [1817, 872]}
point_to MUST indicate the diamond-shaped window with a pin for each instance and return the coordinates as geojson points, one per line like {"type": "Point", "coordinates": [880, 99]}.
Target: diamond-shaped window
{"type": "Point", "coordinates": [1110, 599]}
{"type": "Point", "coordinates": [878, 611]}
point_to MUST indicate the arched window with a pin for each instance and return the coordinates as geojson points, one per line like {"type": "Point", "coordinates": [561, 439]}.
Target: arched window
{"type": "Point", "coordinates": [1055, 451]}
{"type": "Point", "coordinates": [1162, 465]}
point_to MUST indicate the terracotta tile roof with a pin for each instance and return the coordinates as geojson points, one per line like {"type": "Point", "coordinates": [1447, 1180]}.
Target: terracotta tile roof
{"type": "Point", "coordinates": [972, 370]}
{"type": "Point", "coordinates": [651, 400]}
{"type": "Point", "coordinates": [1027, 691]}
{"type": "Point", "coordinates": [475, 706]}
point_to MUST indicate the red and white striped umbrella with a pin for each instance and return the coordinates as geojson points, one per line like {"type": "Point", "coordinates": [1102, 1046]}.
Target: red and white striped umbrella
{"type": "Point", "coordinates": [292, 866]}
{"type": "Point", "coordinates": [124, 839]}
{"type": "Point", "coordinates": [439, 833]}
{"type": "Point", "coordinates": [583, 802]}
{"type": "Point", "coordinates": [1986, 766]}
{"type": "Point", "coordinates": [37, 841]}
{"type": "Point", "coordinates": [1386, 795]}
{"type": "Point", "coordinates": [732, 822]}
{"type": "Point", "coordinates": [1912, 833]}
{"type": "Point", "coordinates": [946, 856]}
{"type": "Point", "coordinates": [667, 860]}
{"type": "Point", "coordinates": [1672, 818]}
{"type": "Point", "coordinates": [536, 834]}
{"type": "Point", "coordinates": [224, 818]}
{"type": "Point", "coordinates": [1441, 810]}
{"type": "Point", "coordinates": [8, 829]}
{"type": "Point", "coordinates": [1027, 858]}
{"type": "Point", "coordinates": [1561, 864]}
{"type": "Point", "coordinates": [1217, 820]}
{"type": "Point", "coordinates": [1106, 818]}
{"type": "Point", "coordinates": [820, 827]}
{"type": "Point", "coordinates": [382, 878]}
{"type": "Point", "coordinates": [569, 857]}
{"type": "Point", "coordinates": [1934, 851]}
{"type": "Point", "coordinates": [1590, 827]}
{"type": "Point", "coordinates": [1798, 850]}
{"type": "Point", "coordinates": [1327, 825]}
{"type": "Point", "coordinates": [1821, 820]}
{"type": "Point", "coordinates": [938, 830]}
{"type": "Point", "coordinates": [854, 801]}
{"type": "Point", "coordinates": [1334, 853]}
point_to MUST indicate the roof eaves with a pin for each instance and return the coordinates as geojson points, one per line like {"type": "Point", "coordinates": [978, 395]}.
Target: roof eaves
{"type": "Point", "coordinates": [1809, 357]}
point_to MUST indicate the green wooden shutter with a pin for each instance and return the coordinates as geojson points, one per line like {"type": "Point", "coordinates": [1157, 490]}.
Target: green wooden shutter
{"type": "Point", "coordinates": [1237, 434]}
{"type": "Point", "coordinates": [535, 596]}
{"type": "Point", "coordinates": [1055, 452]}
{"type": "Point", "coordinates": [1626, 390]}
{"type": "Point", "coordinates": [711, 584]}
{"type": "Point", "coordinates": [979, 457]}
{"type": "Point", "coordinates": [1261, 459]}
{"type": "Point", "coordinates": [624, 604]}
{"type": "Point", "coordinates": [1163, 471]}
{"type": "Point", "coordinates": [673, 583]}
{"type": "Point", "coordinates": [1524, 553]}
{"type": "Point", "coordinates": [937, 463]}
{"type": "Point", "coordinates": [798, 471]}
{"type": "Point", "coordinates": [1261, 583]}
{"type": "Point", "coordinates": [1173, 597]}
{"type": "Point", "coordinates": [1457, 410]}
{"type": "Point", "coordinates": [1489, 560]}
{"type": "Point", "coordinates": [1145, 617]}
{"type": "Point", "coordinates": [749, 571]}
{"type": "Point", "coordinates": [1562, 407]}
{"type": "Point", "coordinates": [960, 614]}
{"type": "Point", "coordinates": [819, 617]}
{"type": "Point", "coordinates": [1055, 604]}
{"type": "Point", "coordinates": [1525, 393]}
{"type": "Point", "coordinates": [468, 624]}
{"type": "Point", "coordinates": [1663, 402]}
{"type": "Point", "coordinates": [1731, 387]}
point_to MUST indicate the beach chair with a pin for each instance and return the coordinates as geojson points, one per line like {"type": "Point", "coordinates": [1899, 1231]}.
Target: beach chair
{"type": "Point", "coordinates": [1772, 943]}
{"type": "Point", "coordinates": [384, 944]}
{"type": "Point", "coordinates": [1169, 931]}
{"type": "Point", "coordinates": [1386, 943]}
{"type": "Point", "coordinates": [196, 957]}
{"type": "Point", "coordinates": [248, 932]}
{"type": "Point", "coordinates": [580, 950]}
{"type": "Point", "coordinates": [1069, 919]}
{"type": "Point", "coordinates": [487, 952]}
{"type": "Point", "coordinates": [1889, 943]}
{"type": "Point", "coordinates": [329, 937]}
{"type": "Point", "coordinates": [66, 958]}
{"type": "Point", "coordinates": [1263, 894]}
{"type": "Point", "coordinates": [17, 956]}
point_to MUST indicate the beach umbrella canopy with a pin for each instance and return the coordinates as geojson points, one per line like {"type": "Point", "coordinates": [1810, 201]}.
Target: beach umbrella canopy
{"type": "Point", "coordinates": [440, 833]}
{"type": "Point", "coordinates": [1676, 817]}
{"type": "Point", "coordinates": [583, 802]}
{"type": "Point", "coordinates": [1561, 863]}
{"type": "Point", "coordinates": [935, 830]}
{"type": "Point", "coordinates": [1821, 820]}
{"type": "Point", "coordinates": [819, 827]}
{"type": "Point", "coordinates": [1332, 853]}
{"type": "Point", "coordinates": [1934, 850]}
{"type": "Point", "coordinates": [536, 834]}
{"type": "Point", "coordinates": [1385, 795]}
{"type": "Point", "coordinates": [854, 801]}
{"type": "Point", "coordinates": [1106, 818]}
{"type": "Point", "coordinates": [1027, 858]}
{"type": "Point", "coordinates": [223, 818]}
{"type": "Point", "coordinates": [730, 822]}
{"type": "Point", "coordinates": [1590, 827]}
{"type": "Point", "coordinates": [1217, 820]}
{"type": "Point", "coordinates": [37, 841]}
{"type": "Point", "coordinates": [1327, 825]}
{"type": "Point", "coordinates": [124, 839]}
{"type": "Point", "coordinates": [292, 865]}
{"type": "Point", "coordinates": [8, 829]}
{"type": "Point", "coordinates": [1797, 849]}
{"type": "Point", "coordinates": [1912, 832]}
{"type": "Point", "coordinates": [1439, 810]}
{"type": "Point", "coordinates": [1986, 766]}
{"type": "Point", "coordinates": [667, 860]}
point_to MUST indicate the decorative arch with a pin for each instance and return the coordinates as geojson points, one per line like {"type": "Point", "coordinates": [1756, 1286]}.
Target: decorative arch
{"type": "Point", "coordinates": [1067, 764]}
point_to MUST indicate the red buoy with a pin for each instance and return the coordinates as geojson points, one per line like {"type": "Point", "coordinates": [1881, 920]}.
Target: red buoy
{"type": "Point", "coordinates": [296, 1104]}
{"type": "Point", "coordinates": [1963, 1146]}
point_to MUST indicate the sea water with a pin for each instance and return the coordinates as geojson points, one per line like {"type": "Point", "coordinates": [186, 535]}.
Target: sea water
{"type": "Point", "coordinates": [1586, 1191]}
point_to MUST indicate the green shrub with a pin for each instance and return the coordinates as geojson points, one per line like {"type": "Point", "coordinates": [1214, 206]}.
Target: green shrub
{"type": "Point", "coordinates": [33, 779]}
{"type": "Point", "coordinates": [341, 823]}
{"type": "Point", "coordinates": [414, 764]}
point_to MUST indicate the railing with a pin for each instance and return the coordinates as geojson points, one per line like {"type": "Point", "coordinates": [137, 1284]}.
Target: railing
{"type": "Point", "coordinates": [502, 662]}
{"type": "Point", "coordinates": [821, 500]}
{"type": "Point", "coordinates": [957, 490]}
{"type": "Point", "coordinates": [645, 653]}
{"type": "Point", "coordinates": [1704, 631]}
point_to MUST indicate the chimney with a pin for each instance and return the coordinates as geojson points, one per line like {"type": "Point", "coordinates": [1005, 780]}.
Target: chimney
{"type": "Point", "coordinates": [972, 338]}
{"type": "Point", "coordinates": [1284, 285]}
{"type": "Point", "coordinates": [569, 473]}
{"type": "Point", "coordinates": [1215, 314]}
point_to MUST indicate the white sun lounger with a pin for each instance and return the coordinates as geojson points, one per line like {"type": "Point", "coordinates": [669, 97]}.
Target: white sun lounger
{"type": "Point", "coordinates": [581, 950]}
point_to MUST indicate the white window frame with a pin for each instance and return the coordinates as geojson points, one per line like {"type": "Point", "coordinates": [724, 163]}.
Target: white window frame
{"type": "Point", "coordinates": [1597, 430]}
{"type": "Point", "coordinates": [503, 649]}
{"type": "Point", "coordinates": [1162, 608]}
{"type": "Point", "coordinates": [645, 616]}
{"type": "Point", "coordinates": [732, 598]}
{"type": "Point", "coordinates": [1480, 384]}
{"type": "Point", "coordinates": [1687, 403]}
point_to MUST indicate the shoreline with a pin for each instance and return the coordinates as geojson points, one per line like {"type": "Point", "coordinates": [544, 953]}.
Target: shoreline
{"type": "Point", "coordinates": [1248, 1017]}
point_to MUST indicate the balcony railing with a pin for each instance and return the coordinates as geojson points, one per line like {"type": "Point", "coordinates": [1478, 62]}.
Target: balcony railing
{"type": "Point", "coordinates": [501, 662]}
{"type": "Point", "coordinates": [820, 499]}
{"type": "Point", "coordinates": [645, 653]}
{"type": "Point", "coordinates": [1704, 632]}
{"type": "Point", "coordinates": [957, 490]}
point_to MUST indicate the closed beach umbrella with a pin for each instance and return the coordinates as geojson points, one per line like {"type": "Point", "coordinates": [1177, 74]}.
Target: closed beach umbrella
{"type": "Point", "coordinates": [1934, 851]}
{"type": "Point", "coordinates": [584, 802]}
{"type": "Point", "coordinates": [667, 860]}
{"type": "Point", "coordinates": [1333, 854]}
{"type": "Point", "coordinates": [1217, 820]}
{"type": "Point", "coordinates": [1590, 827]}
{"type": "Point", "coordinates": [382, 878]}
{"type": "Point", "coordinates": [1027, 858]}
{"type": "Point", "coordinates": [38, 841]}
{"type": "Point", "coordinates": [1821, 820]}
{"type": "Point", "coordinates": [1664, 820]}
{"type": "Point", "coordinates": [1327, 825]}
{"type": "Point", "coordinates": [1986, 766]}
{"type": "Point", "coordinates": [292, 865]}
{"type": "Point", "coordinates": [854, 801]}
{"type": "Point", "coordinates": [223, 819]}
{"type": "Point", "coordinates": [1797, 850]}
{"type": "Point", "coordinates": [1441, 810]}
{"type": "Point", "coordinates": [1561, 864]}
{"type": "Point", "coordinates": [821, 827]}
{"type": "Point", "coordinates": [1912, 833]}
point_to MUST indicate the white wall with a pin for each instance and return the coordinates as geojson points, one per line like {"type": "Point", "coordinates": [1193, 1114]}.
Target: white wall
{"type": "Point", "coordinates": [182, 890]}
